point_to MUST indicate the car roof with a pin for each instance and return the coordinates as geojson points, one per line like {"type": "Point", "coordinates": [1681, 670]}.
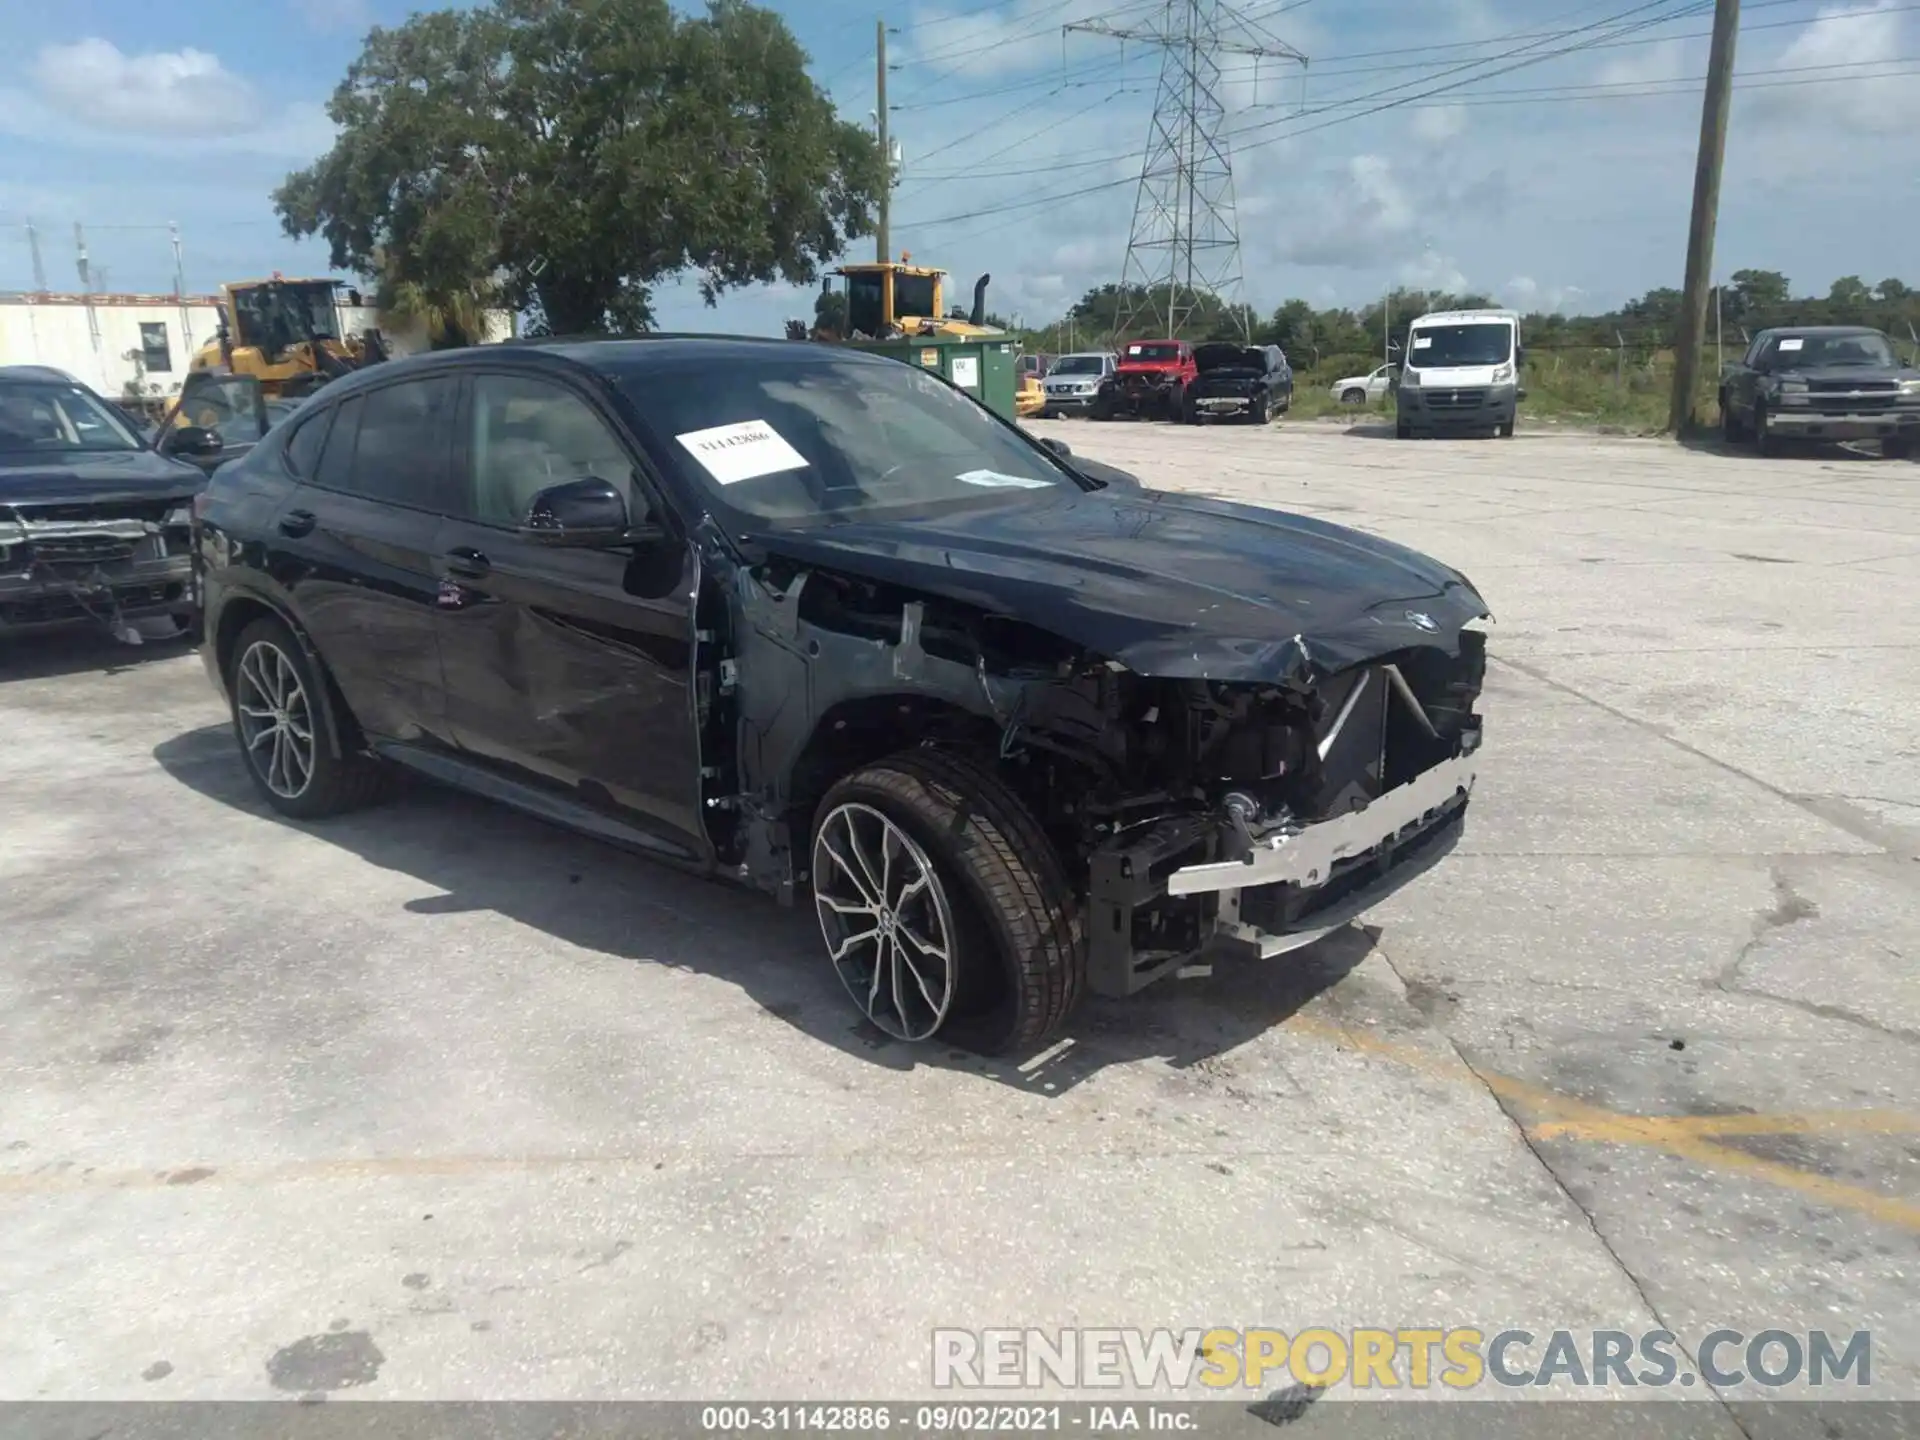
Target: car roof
{"type": "Point", "coordinates": [41, 373]}
{"type": "Point", "coordinates": [1822, 330]}
{"type": "Point", "coordinates": [606, 354]}
{"type": "Point", "coordinates": [1457, 317]}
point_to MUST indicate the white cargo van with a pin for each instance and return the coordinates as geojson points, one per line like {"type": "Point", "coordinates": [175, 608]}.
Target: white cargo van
{"type": "Point", "coordinates": [1461, 371]}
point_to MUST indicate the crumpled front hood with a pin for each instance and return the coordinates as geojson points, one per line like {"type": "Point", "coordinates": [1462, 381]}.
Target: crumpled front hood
{"type": "Point", "coordinates": [29, 479]}
{"type": "Point", "coordinates": [1171, 585]}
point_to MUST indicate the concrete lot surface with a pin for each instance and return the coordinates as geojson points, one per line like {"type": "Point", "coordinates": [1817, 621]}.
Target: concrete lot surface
{"type": "Point", "coordinates": [437, 1102]}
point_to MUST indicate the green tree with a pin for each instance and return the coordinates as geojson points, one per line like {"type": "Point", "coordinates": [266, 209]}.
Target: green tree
{"type": "Point", "coordinates": [1756, 297]}
{"type": "Point", "coordinates": [575, 153]}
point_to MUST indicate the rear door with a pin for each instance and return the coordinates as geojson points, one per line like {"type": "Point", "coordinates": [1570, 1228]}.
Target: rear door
{"type": "Point", "coordinates": [572, 668]}
{"type": "Point", "coordinates": [357, 545]}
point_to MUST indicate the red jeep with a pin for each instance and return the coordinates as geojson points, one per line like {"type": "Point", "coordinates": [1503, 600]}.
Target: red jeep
{"type": "Point", "coordinates": [1151, 381]}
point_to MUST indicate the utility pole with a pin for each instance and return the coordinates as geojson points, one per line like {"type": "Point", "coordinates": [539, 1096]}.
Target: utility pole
{"type": "Point", "coordinates": [180, 288]}
{"type": "Point", "coordinates": [1706, 210]}
{"type": "Point", "coordinates": [39, 267]}
{"type": "Point", "coordinates": [1184, 237]}
{"type": "Point", "coordinates": [882, 241]}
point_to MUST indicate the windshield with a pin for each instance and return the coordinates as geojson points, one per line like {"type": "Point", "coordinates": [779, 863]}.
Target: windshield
{"type": "Point", "coordinates": [1077, 365]}
{"type": "Point", "coordinates": [913, 296]}
{"type": "Point", "coordinates": [1448, 345]}
{"type": "Point", "coordinates": [1229, 357]}
{"type": "Point", "coordinates": [1841, 350]}
{"type": "Point", "coordinates": [277, 315]}
{"type": "Point", "coordinates": [58, 419]}
{"type": "Point", "coordinates": [1154, 350]}
{"type": "Point", "coordinates": [834, 439]}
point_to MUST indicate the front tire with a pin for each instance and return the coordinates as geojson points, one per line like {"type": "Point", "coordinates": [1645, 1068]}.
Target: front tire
{"type": "Point", "coordinates": [1731, 432]}
{"type": "Point", "coordinates": [278, 702]}
{"type": "Point", "coordinates": [1402, 430]}
{"type": "Point", "coordinates": [1896, 447]}
{"type": "Point", "coordinates": [927, 842]}
{"type": "Point", "coordinates": [1355, 396]}
{"type": "Point", "coordinates": [1261, 412]}
{"type": "Point", "coordinates": [1764, 440]}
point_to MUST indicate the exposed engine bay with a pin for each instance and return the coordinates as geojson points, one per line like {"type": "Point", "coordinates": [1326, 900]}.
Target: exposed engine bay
{"type": "Point", "coordinates": [1190, 813]}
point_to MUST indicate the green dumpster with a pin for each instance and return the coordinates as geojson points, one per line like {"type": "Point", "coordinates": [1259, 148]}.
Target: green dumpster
{"type": "Point", "coordinates": [983, 366]}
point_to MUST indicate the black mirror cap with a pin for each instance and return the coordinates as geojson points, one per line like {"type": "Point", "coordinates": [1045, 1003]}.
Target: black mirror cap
{"type": "Point", "coordinates": [191, 440]}
{"type": "Point", "coordinates": [580, 512]}
{"type": "Point", "coordinates": [1058, 447]}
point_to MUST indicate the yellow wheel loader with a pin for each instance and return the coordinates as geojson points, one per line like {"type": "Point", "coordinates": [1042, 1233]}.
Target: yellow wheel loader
{"type": "Point", "coordinates": [287, 335]}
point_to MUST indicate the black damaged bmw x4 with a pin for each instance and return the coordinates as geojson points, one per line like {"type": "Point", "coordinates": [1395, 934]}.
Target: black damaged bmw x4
{"type": "Point", "coordinates": [813, 620]}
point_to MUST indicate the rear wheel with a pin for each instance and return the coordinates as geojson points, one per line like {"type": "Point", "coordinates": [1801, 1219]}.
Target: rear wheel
{"type": "Point", "coordinates": [279, 705]}
{"type": "Point", "coordinates": [944, 908]}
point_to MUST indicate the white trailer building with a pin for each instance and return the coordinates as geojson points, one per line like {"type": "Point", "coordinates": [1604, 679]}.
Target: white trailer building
{"type": "Point", "coordinates": [125, 346]}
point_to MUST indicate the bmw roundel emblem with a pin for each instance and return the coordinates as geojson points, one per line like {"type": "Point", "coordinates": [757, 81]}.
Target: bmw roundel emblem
{"type": "Point", "coordinates": [1421, 621]}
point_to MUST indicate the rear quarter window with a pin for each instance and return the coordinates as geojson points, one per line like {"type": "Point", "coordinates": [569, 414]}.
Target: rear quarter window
{"type": "Point", "coordinates": [304, 445]}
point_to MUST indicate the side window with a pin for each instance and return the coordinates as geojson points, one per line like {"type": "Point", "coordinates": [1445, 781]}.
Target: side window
{"type": "Point", "coordinates": [528, 435]}
{"type": "Point", "coordinates": [303, 446]}
{"type": "Point", "coordinates": [400, 453]}
{"type": "Point", "coordinates": [335, 470]}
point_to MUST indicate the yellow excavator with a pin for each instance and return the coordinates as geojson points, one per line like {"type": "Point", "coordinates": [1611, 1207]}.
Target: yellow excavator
{"type": "Point", "coordinates": [886, 300]}
{"type": "Point", "coordinates": [287, 335]}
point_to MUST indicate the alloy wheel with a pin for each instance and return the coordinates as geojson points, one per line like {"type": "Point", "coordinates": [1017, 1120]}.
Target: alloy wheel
{"type": "Point", "coordinates": [276, 719]}
{"type": "Point", "coordinates": [886, 920]}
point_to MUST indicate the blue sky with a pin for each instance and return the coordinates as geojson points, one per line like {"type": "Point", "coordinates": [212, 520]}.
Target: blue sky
{"type": "Point", "coordinates": [1563, 183]}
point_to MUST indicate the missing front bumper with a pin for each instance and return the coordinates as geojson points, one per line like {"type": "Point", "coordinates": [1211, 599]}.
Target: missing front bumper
{"type": "Point", "coordinates": [1286, 894]}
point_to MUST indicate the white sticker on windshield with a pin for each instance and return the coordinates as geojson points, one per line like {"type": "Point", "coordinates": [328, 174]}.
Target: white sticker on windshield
{"type": "Point", "coordinates": [1793, 343]}
{"type": "Point", "coordinates": [994, 480]}
{"type": "Point", "coordinates": [1421, 342]}
{"type": "Point", "coordinates": [966, 371]}
{"type": "Point", "coordinates": [1135, 349]}
{"type": "Point", "coordinates": [732, 453]}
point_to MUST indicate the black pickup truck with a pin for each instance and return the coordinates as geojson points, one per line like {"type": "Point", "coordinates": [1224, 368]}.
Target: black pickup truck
{"type": "Point", "coordinates": [1821, 382]}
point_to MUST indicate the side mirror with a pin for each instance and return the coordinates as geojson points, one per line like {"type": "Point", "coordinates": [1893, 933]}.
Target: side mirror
{"type": "Point", "coordinates": [191, 440]}
{"type": "Point", "coordinates": [580, 512]}
{"type": "Point", "coordinates": [1519, 354]}
{"type": "Point", "coordinates": [1058, 447]}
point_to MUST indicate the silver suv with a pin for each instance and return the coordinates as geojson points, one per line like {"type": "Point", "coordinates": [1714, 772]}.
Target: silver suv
{"type": "Point", "coordinates": [1074, 380]}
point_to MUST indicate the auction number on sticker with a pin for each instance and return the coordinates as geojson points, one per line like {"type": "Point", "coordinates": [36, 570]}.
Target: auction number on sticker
{"type": "Point", "coordinates": [860, 1419]}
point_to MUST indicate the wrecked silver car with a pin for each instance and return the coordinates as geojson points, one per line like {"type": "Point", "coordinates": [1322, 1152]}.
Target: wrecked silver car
{"type": "Point", "coordinates": [816, 621]}
{"type": "Point", "coordinates": [94, 525]}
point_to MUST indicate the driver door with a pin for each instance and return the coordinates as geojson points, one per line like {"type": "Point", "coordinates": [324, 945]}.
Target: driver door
{"type": "Point", "coordinates": [569, 669]}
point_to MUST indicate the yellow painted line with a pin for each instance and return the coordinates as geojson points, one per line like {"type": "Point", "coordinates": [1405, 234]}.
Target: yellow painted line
{"type": "Point", "coordinates": [1803, 1122]}
{"type": "Point", "coordinates": [1680, 1136]}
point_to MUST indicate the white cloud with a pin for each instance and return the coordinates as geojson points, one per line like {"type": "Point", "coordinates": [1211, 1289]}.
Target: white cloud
{"type": "Point", "coordinates": [1430, 271]}
{"type": "Point", "coordinates": [1852, 43]}
{"type": "Point", "coordinates": [186, 91]}
{"type": "Point", "coordinates": [335, 14]}
{"type": "Point", "coordinates": [91, 93]}
{"type": "Point", "coordinates": [1358, 222]}
{"type": "Point", "coordinates": [1439, 123]}
{"type": "Point", "coordinates": [1649, 65]}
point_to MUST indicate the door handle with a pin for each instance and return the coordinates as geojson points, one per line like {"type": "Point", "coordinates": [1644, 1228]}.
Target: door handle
{"type": "Point", "coordinates": [467, 563]}
{"type": "Point", "coordinates": [297, 523]}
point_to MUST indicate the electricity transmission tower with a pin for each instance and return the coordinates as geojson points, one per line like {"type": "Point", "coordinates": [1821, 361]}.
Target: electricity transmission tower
{"type": "Point", "coordinates": [1184, 239]}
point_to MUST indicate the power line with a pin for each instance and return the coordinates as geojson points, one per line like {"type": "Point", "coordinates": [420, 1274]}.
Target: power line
{"type": "Point", "coordinates": [1390, 103]}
